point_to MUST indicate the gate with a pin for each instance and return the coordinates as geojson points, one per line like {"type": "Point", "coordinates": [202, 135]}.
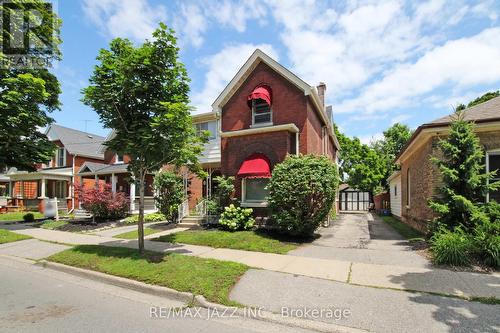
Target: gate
{"type": "Point", "coordinates": [353, 200]}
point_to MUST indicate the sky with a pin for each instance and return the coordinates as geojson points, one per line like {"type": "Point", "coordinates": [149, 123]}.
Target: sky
{"type": "Point", "coordinates": [382, 61]}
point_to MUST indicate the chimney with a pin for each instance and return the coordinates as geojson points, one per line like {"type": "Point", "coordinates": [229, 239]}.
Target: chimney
{"type": "Point", "coordinates": [321, 92]}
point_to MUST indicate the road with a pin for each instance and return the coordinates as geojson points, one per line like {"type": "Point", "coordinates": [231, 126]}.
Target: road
{"type": "Point", "coordinates": [34, 299]}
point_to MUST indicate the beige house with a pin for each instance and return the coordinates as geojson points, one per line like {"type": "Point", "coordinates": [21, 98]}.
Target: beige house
{"type": "Point", "coordinates": [419, 177]}
{"type": "Point", "coordinates": [395, 193]}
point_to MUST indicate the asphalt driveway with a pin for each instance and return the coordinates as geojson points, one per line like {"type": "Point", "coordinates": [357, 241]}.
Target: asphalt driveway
{"type": "Point", "coordinates": [362, 238]}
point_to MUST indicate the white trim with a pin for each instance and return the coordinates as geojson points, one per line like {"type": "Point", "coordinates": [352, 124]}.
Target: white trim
{"type": "Point", "coordinates": [494, 152]}
{"type": "Point", "coordinates": [64, 157]}
{"type": "Point", "coordinates": [118, 161]}
{"type": "Point", "coordinates": [285, 127]}
{"type": "Point", "coordinates": [267, 123]}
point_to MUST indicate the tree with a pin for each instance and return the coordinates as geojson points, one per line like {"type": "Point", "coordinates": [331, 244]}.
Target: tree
{"type": "Point", "coordinates": [395, 138]}
{"type": "Point", "coordinates": [484, 98]}
{"type": "Point", "coordinates": [28, 94]}
{"type": "Point", "coordinates": [142, 94]}
{"type": "Point", "coordinates": [464, 181]}
{"type": "Point", "coordinates": [360, 165]}
{"type": "Point", "coordinates": [169, 193]}
{"type": "Point", "coordinates": [301, 193]}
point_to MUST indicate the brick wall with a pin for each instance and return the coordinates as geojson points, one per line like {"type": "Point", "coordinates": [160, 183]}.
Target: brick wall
{"type": "Point", "coordinates": [425, 178]}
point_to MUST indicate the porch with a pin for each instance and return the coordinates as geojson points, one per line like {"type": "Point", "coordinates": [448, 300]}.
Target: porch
{"type": "Point", "coordinates": [121, 181]}
{"type": "Point", "coordinates": [27, 190]}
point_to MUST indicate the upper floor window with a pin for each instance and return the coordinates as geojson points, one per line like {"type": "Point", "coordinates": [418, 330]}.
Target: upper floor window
{"type": "Point", "coordinates": [261, 112]}
{"type": "Point", "coordinates": [210, 126]}
{"type": "Point", "coordinates": [61, 157]}
{"type": "Point", "coordinates": [119, 158]}
{"type": "Point", "coordinates": [493, 163]}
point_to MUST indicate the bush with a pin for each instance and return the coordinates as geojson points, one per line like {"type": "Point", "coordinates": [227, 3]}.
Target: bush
{"type": "Point", "coordinates": [221, 196]}
{"type": "Point", "coordinates": [236, 218]}
{"type": "Point", "coordinates": [487, 234]}
{"type": "Point", "coordinates": [452, 247]}
{"type": "Point", "coordinates": [102, 203]}
{"type": "Point", "coordinates": [301, 193]}
{"type": "Point", "coordinates": [169, 191]}
{"type": "Point", "coordinates": [152, 217]}
{"type": "Point", "coordinates": [29, 217]}
{"type": "Point", "coordinates": [155, 217]}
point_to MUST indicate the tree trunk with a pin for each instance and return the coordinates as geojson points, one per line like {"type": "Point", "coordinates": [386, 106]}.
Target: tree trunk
{"type": "Point", "coordinates": [140, 222]}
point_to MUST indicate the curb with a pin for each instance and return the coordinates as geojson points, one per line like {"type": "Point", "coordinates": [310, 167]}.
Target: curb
{"type": "Point", "coordinates": [119, 281]}
{"type": "Point", "coordinates": [197, 300]}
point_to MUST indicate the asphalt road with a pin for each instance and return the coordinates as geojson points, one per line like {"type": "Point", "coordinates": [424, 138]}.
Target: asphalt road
{"type": "Point", "coordinates": [34, 299]}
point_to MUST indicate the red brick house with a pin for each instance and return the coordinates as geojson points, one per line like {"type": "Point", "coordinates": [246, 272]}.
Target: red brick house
{"type": "Point", "coordinates": [265, 113]}
{"type": "Point", "coordinates": [419, 177]}
{"type": "Point", "coordinates": [55, 179]}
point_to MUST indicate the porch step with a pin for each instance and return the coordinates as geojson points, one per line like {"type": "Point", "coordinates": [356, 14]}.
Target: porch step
{"type": "Point", "coordinates": [191, 222]}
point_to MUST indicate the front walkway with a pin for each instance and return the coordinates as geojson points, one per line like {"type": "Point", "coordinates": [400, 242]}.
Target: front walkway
{"type": "Point", "coordinates": [364, 239]}
{"type": "Point", "coordinates": [384, 276]}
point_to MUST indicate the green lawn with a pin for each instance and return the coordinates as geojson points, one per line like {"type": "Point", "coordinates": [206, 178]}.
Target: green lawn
{"type": "Point", "coordinates": [402, 228]}
{"type": "Point", "coordinates": [18, 216]}
{"type": "Point", "coordinates": [239, 240]}
{"type": "Point", "coordinates": [133, 234]}
{"type": "Point", "coordinates": [208, 277]}
{"type": "Point", "coordinates": [53, 225]}
{"type": "Point", "coordinates": [7, 236]}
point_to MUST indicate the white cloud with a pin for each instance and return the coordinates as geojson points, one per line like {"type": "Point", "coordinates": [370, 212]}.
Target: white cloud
{"type": "Point", "coordinates": [461, 63]}
{"type": "Point", "coordinates": [367, 139]}
{"type": "Point", "coordinates": [400, 118]}
{"type": "Point", "coordinates": [236, 14]}
{"type": "Point", "coordinates": [221, 68]}
{"type": "Point", "coordinates": [134, 19]}
{"type": "Point", "coordinates": [191, 24]}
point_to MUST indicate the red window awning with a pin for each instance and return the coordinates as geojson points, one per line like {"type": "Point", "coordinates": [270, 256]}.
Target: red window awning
{"type": "Point", "coordinates": [261, 92]}
{"type": "Point", "coordinates": [255, 166]}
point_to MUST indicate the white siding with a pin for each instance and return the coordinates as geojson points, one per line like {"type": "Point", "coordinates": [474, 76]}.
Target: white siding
{"type": "Point", "coordinates": [395, 185]}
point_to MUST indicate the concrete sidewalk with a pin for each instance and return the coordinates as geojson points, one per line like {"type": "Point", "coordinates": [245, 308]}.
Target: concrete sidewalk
{"type": "Point", "coordinates": [384, 276]}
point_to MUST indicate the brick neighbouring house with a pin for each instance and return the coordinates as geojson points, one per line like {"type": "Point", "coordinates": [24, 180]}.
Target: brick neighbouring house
{"type": "Point", "coordinates": [419, 177]}
{"type": "Point", "coordinates": [55, 179]}
{"type": "Point", "coordinates": [264, 113]}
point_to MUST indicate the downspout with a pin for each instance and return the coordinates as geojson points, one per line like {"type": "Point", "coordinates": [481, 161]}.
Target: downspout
{"type": "Point", "coordinates": [297, 143]}
{"type": "Point", "coordinates": [73, 185]}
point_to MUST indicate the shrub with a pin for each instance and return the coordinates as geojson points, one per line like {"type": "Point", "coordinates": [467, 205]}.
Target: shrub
{"type": "Point", "coordinates": [169, 191]}
{"type": "Point", "coordinates": [29, 217]}
{"type": "Point", "coordinates": [155, 217]}
{"type": "Point", "coordinates": [451, 247]}
{"type": "Point", "coordinates": [152, 217]}
{"type": "Point", "coordinates": [301, 193]}
{"type": "Point", "coordinates": [102, 203]}
{"type": "Point", "coordinates": [221, 196]}
{"type": "Point", "coordinates": [487, 234]}
{"type": "Point", "coordinates": [236, 218]}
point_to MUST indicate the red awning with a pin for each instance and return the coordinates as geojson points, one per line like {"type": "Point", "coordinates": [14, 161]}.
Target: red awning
{"type": "Point", "coordinates": [261, 93]}
{"type": "Point", "coordinates": [255, 166]}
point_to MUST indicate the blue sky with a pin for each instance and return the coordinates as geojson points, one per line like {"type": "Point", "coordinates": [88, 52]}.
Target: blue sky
{"type": "Point", "coordinates": [382, 61]}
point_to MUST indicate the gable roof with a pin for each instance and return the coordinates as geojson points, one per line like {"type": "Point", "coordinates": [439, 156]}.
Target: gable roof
{"type": "Point", "coordinates": [486, 111]}
{"type": "Point", "coordinates": [77, 142]}
{"type": "Point", "coordinates": [481, 114]}
{"type": "Point", "coordinates": [244, 72]}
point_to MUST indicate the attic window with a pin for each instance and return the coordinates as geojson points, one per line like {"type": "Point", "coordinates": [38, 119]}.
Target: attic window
{"type": "Point", "coordinates": [260, 102]}
{"type": "Point", "coordinates": [118, 158]}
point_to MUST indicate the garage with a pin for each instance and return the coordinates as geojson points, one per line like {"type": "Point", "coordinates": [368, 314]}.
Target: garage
{"type": "Point", "coordinates": [351, 199]}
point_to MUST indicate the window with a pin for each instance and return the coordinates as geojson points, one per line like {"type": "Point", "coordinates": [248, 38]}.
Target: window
{"type": "Point", "coordinates": [408, 187]}
{"type": "Point", "coordinates": [254, 190]}
{"type": "Point", "coordinates": [261, 112]}
{"type": "Point", "coordinates": [118, 158]}
{"type": "Point", "coordinates": [60, 189]}
{"type": "Point", "coordinates": [210, 126]}
{"type": "Point", "coordinates": [395, 190]}
{"type": "Point", "coordinates": [493, 164]}
{"type": "Point", "coordinates": [61, 157]}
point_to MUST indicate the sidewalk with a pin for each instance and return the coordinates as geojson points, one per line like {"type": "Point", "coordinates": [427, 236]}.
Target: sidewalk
{"type": "Point", "coordinates": [431, 280]}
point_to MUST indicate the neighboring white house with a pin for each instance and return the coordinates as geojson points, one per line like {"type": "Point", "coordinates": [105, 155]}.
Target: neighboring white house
{"type": "Point", "coordinates": [395, 190]}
